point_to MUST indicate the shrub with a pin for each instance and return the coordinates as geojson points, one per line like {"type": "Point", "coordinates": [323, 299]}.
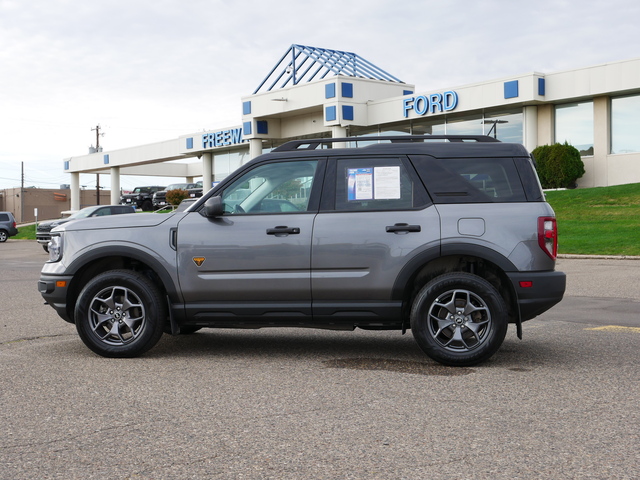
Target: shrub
{"type": "Point", "coordinates": [174, 197]}
{"type": "Point", "coordinates": [558, 165]}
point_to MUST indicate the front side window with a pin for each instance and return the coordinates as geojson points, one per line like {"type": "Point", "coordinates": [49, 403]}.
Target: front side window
{"type": "Point", "coordinates": [281, 187]}
{"type": "Point", "coordinates": [574, 125]}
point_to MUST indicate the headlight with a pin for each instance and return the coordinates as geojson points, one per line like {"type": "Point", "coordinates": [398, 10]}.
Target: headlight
{"type": "Point", "coordinates": [55, 248]}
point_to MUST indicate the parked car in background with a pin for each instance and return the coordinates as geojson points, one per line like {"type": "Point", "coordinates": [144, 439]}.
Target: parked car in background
{"type": "Point", "coordinates": [159, 198]}
{"type": "Point", "coordinates": [141, 197]}
{"type": "Point", "coordinates": [7, 226]}
{"type": "Point", "coordinates": [43, 231]}
{"type": "Point", "coordinates": [196, 191]}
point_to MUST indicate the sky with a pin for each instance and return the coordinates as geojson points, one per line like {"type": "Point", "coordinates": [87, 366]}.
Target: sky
{"type": "Point", "coordinates": [153, 70]}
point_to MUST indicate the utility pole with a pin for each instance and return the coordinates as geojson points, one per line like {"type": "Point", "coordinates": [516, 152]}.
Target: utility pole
{"type": "Point", "coordinates": [98, 135]}
{"type": "Point", "coordinates": [21, 192]}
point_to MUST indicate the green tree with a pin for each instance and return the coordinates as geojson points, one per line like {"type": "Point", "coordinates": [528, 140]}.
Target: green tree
{"type": "Point", "coordinates": [558, 165]}
{"type": "Point", "coordinates": [174, 197]}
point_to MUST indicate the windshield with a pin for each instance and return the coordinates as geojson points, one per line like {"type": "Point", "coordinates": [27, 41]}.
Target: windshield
{"type": "Point", "coordinates": [84, 213]}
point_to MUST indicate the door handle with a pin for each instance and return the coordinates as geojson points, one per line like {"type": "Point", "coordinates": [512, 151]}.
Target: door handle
{"type": "Point", "coordinates": [283, 230]}
{"type": "Point", "coordinates": [403, 228]}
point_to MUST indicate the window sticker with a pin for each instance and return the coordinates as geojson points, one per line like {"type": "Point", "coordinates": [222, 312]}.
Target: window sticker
{"type": "Point", "coordinates": [386, 181]}
{"type": "Point", "coordinates": [379, 183]}
{"type": "Point", "coordinates": [360, 184]}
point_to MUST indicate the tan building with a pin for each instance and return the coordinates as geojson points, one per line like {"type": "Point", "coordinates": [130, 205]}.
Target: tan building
{"type": "Point", "coordinates": [315, 92]}
{"type": "Point", "coordinates": [50, 203]}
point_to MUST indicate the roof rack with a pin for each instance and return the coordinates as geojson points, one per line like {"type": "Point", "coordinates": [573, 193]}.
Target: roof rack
{"type": "Point", "coordinates": [313, 144]}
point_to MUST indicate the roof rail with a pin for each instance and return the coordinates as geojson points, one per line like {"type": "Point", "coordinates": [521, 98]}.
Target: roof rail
{"type": "Point", "coordinates": [314, 143]}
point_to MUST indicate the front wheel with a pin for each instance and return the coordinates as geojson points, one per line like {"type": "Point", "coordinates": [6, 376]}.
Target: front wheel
{"type": "Point", "coordinates": [120, 314]}
{"type": "Point", "coordinates": [459, 319]}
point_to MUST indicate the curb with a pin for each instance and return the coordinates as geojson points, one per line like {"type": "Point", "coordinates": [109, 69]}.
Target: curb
{"type": "Point", "coordinates": [568, 256]}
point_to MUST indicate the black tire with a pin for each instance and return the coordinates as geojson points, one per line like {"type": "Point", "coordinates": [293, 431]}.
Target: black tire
{"type": "Point", "coordinates": [147, 206]}
{"type": "Point", "coordinates": [4, 235]}
{"type": "Point", "coordinates": [459, 319]}
{"type": "Point", "coordinates": [120, 314]}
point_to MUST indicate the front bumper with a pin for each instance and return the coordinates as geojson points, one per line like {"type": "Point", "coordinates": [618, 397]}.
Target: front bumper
{"type": "Point", "coordinates": [43, 239]}
{"type": "Point", "coordinates": [537, 292]}
{"type": "Point", "coordinates": [54, 290]}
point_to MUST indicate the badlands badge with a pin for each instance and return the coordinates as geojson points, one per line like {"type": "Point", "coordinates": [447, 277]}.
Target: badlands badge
{"type": "Point", "coordinates": [198, 261]}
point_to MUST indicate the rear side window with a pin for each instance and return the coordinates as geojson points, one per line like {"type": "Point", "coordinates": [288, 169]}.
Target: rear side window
{"type": "Point", "coordinates": [376, 184]}
{"type": "Point", "coordinates": [4, 217]}
{"type": "Point", "coordinates": [470, 180]}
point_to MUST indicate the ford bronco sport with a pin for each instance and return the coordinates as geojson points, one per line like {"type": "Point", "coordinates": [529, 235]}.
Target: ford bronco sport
{"type": "Point", "coordinates": [448, 236]}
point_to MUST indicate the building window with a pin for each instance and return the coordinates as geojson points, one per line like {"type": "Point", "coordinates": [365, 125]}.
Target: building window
{"type": "Point", "coordinates": [226, 162]}
{"type": "Point", "coordinates": [401, 128]}
{"type": "Point", "coordinates": [625, 124]}
{"type": "Point", "coordinates": [506, 127]}
{"type": "Point", "coordinates": [472, 125]}
{"type": "Point", "coordinates": [574, 125]}
{"type": "Point", "coordinates": [428, 127]}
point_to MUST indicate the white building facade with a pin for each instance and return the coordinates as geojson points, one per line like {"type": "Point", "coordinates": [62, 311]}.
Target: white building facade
{"type": "Point", "coordinates": [315, 93]}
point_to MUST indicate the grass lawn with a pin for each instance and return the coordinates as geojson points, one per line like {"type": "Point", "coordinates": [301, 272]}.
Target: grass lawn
{"type": "Point", "coordinates": [598, 221]}
{"type": "Point", "coordinates": [591, 221]}
{"type": "Point", "coordinates": [26, 233]}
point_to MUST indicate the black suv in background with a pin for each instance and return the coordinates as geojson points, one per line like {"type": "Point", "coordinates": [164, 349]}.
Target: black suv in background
{"type": "Point", "coordinates": [159, 198]}
{"type": "Point", "coordinates": [141, 197]}
{"type": "Point", "coordinates": [7, 226]}
{"type": "Point", "coordinates": [448, 236]}
{"type": "Point", "coordinates": [196, 191]}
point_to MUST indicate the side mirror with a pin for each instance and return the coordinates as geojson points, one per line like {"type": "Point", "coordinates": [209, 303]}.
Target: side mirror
{"type": "Point", "coordinates": [213, 207]}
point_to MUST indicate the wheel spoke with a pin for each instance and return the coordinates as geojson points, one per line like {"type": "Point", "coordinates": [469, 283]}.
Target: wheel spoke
{"type": "Point", "coordinates": [457, 337]}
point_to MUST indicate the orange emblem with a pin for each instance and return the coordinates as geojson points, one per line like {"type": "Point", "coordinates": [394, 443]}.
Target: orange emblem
{"type": "Point", "coordinates": [198, 261]}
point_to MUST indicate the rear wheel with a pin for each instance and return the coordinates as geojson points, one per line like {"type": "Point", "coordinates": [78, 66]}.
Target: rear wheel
{"type": "Point", "coordinates": [120, 313]}
{"type": "Point", "coordinates": [3, 236]}
{"type": "Point", "coordinates": [459, 319]}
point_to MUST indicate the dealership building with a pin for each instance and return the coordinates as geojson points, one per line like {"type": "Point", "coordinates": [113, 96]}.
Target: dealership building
{"type": "Point", "coordinates": [315, 92]}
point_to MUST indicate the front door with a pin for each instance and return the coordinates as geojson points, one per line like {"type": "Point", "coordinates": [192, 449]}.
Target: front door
{"type": "Point", "coordinates": [254, 262]}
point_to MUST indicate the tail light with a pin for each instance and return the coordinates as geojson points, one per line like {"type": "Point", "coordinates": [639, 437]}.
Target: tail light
{"type": "Point", "coordinates": [548, 236]}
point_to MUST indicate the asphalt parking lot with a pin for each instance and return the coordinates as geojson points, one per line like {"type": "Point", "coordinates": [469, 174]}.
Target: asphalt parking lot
{"type": "Point", "coordinates": [311, 404]}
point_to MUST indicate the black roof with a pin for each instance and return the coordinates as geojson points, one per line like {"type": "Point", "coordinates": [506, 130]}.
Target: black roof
{"type": "Point", "coordinates": [441, 146]}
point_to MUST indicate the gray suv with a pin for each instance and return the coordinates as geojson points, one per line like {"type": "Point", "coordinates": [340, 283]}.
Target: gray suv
{"type": "Point", "coordinates": [7, 226]}
{"type": "Point", "coordinates": [448, 236]}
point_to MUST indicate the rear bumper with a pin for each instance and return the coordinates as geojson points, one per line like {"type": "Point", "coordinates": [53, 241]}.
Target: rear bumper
{"type": "Point", "coordinates": [537, 292]}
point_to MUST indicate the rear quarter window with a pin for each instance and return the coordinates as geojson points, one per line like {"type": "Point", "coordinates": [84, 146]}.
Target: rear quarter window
{"type": "Point", "coordinates": [470, 180]}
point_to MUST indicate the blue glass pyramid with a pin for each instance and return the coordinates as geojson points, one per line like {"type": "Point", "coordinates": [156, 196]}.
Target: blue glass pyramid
{"type": "Point", "coordinates": [303, 64]}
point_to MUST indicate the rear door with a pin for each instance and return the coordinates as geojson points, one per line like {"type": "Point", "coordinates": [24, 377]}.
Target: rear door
{"type": "Point", "coordinates": [375, 218]}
